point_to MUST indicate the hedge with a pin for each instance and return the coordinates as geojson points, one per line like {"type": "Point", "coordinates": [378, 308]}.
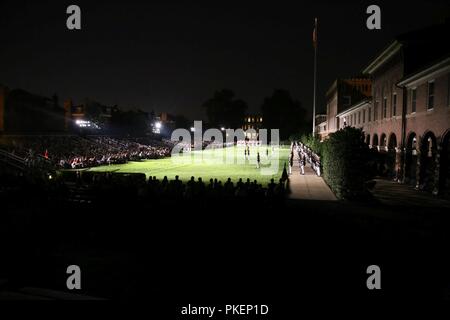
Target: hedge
{"type": "Point", "coordinates": [346, 162]}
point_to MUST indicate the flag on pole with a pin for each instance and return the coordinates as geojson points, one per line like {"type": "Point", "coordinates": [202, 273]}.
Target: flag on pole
{"type": "Point", "coordinates": [315, 34]}
{"type": "Point", "coordinates": [315, 76]}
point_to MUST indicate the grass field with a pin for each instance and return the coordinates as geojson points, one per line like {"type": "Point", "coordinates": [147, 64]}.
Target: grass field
{"type": "Point", "coordinates": [218, 163]}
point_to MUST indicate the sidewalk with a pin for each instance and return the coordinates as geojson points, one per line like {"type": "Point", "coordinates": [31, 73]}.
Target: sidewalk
{"type": "Point", "coordinates": [395, 194]}
{"type": "Point", "coordinates": [308, 186]}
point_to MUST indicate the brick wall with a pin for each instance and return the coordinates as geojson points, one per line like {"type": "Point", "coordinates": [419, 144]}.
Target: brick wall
{"type": "Point", "coordinates": [384, 86]}
{"type": "Point", "coordinates": [436, 120]}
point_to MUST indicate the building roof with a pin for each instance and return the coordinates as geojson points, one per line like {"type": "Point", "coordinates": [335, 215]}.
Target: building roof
{"type": "Point", "coordinates": [432, 71]}
{"type": "Point", "coordinates": [419, 47]}
{"type": "Point", "coordinates": [383, 57]}
{"type": "Point", "coordinates": [354, 107]}
{"type": "Point", "coordinates": [348, 81]}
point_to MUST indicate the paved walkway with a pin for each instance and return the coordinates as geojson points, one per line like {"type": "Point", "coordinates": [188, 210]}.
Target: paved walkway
{"type": "Point", "coordinates": [396, 194]}
{"type": "Point", "coordinates": [308, 186]}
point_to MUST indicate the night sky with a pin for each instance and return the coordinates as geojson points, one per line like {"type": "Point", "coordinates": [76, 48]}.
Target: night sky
{"type": "Point", "coordinates": [171, 56]}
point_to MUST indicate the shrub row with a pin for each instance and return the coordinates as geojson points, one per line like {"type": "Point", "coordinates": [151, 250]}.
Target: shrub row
{"type": "Point", "coordinates": [346, 162]}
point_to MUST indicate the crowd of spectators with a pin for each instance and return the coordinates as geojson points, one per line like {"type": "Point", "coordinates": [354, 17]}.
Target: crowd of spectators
{"type": "Point", "coordinates": [75, 152]}
{"type": "Point", "coordinates": [107, 187]}
{"type": "Point", "coordinates": [213, 189]}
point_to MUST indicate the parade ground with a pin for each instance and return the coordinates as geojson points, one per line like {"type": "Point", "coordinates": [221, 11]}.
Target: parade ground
{"type": "Point", "coordinates": [213, 164]}
{"type": "Point", "coordinates": [220, 164]}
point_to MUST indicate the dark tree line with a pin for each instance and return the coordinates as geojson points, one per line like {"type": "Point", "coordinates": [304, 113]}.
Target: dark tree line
{"type": "Point", "coordinates": [224, 110]}
{"type": "Point", "coordinates": [132, 122]}
{"type": "Point", "coordinates": [279, 111]}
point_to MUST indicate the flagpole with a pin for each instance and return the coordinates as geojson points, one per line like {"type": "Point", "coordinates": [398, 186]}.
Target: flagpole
{"type": "Point", "coordinates": [315, 79]}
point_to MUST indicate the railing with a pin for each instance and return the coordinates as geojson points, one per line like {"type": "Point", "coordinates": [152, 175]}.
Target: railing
{"type": "Point", "coordinates": [13, 160]}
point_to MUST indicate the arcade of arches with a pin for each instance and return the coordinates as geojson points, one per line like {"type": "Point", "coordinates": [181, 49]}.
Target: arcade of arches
{"type": "Point", "coordinates": [423, 162]}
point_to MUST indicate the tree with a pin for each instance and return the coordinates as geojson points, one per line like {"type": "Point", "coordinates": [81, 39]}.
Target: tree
{"type": "Point", "coordinates": [281, 111]}
{"type": "Point", "coordinates": [133, 122]}
{"type": "Point", "coordinates": [312, 142]}
{"type": "Point", "coordinates": [224, 110]}
{"type": "Point", "coordinates": [182, 122]}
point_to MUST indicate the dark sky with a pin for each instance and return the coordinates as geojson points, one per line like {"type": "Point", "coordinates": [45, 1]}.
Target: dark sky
{"type": "Point", "coordinates": [172, 56]}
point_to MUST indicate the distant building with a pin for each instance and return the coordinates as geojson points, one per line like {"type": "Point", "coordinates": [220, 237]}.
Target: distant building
{"type": "Point", "coordinates": [342, 94]}
{"type": "Point", "coordinates": [24, 112]}
{"type": "Point", "coordinates": [89, 115]}
{"type": "Point", "coordinates": [356, 115]}
{"type": "Point", "coordinates": [164, 124]}
{"type": "Point", "coordinates": [252, 122]}
{"type": "Point", "coordinates": [321, 126]}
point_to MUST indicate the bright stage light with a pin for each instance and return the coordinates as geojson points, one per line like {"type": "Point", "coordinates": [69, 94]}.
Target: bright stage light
{"type": "Point", "coordinates": [83, 123]}
{"type": "Point", "coordinates": [158, 125]}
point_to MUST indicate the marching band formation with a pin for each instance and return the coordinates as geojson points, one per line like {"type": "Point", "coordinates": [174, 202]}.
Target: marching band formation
{"type": "Point", "coordinates": [305, 155]}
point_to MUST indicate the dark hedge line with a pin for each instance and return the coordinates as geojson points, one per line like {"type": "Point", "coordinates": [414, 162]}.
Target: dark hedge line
{"type": "Point", "coordinates": [347, 163]}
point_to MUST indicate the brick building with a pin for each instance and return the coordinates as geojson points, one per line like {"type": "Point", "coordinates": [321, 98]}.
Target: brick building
{"type": "Point", "coordinates": [321, 126]}
{"type": "Point", "coordinates": [407, 117]}
{"type": "Point", "coordinates": [427, 127]}
{"type": "Point", "coordinates": [342, 94]}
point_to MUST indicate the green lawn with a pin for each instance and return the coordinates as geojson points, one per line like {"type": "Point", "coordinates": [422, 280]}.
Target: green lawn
{"type": "Point", "coordinates": [219, 163]}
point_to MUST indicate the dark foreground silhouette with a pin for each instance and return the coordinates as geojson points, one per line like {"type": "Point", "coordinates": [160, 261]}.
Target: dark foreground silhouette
{"type": "Point", "coordinates": [135, 242]}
